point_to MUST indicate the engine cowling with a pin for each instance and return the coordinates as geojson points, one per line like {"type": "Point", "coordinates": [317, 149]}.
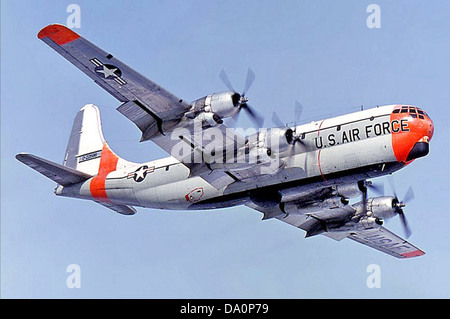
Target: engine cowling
{"type": "Point", "coordinates": [277, 140]}
{"type": "Point", "coordinates": [382, 207]}
{"type": "Point", "coordinates": [209, 118]}
{"type": "Point", "coordinates": [298, 208]}
{"type": "Point", "coordinates": [222, 105]}
{"type": "Point", "coordinates": [348, 190]}
{"type": "Point", "coordinates": [244, 158]}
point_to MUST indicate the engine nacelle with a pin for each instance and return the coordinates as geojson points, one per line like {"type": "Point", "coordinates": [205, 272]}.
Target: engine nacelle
{"type": "Point", "coordinates": [209, 118]}
{"type": "Point", "coordinates": [383, 207]}
{"type": "Point", "coordinates": [368, 222]}
{"type": "Point", "coordinates": [245, 158]}
{"type": "Point", "coordinates": [277, 140]}
{"type": "Point", "coordinates": [362, 223]}
{"type": "Point", "coordinates": [296, 208]}
{"type": "Point", "coordinates": [348, 190]}
{"type": "Point", "coordinates": [222, 105]}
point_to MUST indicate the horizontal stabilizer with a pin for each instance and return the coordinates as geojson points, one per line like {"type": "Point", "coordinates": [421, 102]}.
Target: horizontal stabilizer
{"type": "Point", "coordinates": [62, 175]}
{"type": "Point", "coordinates": [118, 208]}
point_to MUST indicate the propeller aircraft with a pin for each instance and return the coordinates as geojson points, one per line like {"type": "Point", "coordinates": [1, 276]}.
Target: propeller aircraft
{"type": "Point", "coordinates": [305, 175]}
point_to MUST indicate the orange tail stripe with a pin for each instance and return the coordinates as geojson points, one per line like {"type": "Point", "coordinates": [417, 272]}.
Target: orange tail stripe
{"type": "Point", "coordinates": [108, 164]}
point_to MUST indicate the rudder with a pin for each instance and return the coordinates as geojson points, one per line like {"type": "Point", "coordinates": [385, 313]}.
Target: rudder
{"type": "Point", "coordinates": [86, 141]}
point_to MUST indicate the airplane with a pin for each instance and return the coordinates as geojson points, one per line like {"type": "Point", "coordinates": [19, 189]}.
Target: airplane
{"type": "Point", "coordinates": [305, 175]}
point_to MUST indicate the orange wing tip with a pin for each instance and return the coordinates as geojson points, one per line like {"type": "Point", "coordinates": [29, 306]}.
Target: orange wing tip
{"type": "Point", "coordinates": [59, 33]}
{"type": "Point", "coordinates": [414, 253]}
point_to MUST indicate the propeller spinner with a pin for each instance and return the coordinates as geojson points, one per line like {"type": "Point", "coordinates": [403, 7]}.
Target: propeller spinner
{"type": "Point", "coordinates": [240, 100]}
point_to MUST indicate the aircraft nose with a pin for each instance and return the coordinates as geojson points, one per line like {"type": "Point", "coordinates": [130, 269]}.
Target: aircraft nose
{"type": "Point", "coordinates": [412, 140]}
{"type": "Point", "coordinates": [422, 147]}
{"type": "Point", "coordinates": [430, 125]}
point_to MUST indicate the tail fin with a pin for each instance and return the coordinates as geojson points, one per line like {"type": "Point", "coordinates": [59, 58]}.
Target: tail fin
{"type": "Point", "coordinates": [87, 153]}
{"type": "Point", "coordinates": [87, 156]}
{"type": "Point", "coordinates": [86, 142]}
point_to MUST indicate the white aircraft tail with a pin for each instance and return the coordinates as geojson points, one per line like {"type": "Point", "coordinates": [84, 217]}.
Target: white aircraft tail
{"type": "Point", "coordinates": [86, 142]}
{"type": "Point", "coordinates": [82, 159]}
{"type": "Point", "coordinates": [87, 156]}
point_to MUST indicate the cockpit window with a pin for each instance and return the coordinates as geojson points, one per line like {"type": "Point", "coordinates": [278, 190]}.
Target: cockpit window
{"type": "Point", "coordinates": [414, 112]}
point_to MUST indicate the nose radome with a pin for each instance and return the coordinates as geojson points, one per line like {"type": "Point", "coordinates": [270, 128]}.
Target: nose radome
{"type": "Point", "coordinates": [422, 147]}
{"type": "Point", "coordinates": [413, 141]}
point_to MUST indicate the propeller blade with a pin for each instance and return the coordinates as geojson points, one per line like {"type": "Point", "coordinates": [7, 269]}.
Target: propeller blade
{"type": "Point", "coordinates": [276, 120]}
{"type": "Point", "coordinates": [298, 111]}
{"type": "Point", "coordinates": [255, 117]}
{"type": "Point", "coordinates": [224, 77]}
{"type": "Point", "coordinates": [399, 209]}
{"type": "Point", "coordinates": [248, 81]}
{"type": "Point", "coordinates": [404, 222]}
{"type": "Point", "coordinates": [409, 196]}
{"type": "Point", "coordinates": [234, 119]}
{"type": "Point", "coordinates": [392, 185]}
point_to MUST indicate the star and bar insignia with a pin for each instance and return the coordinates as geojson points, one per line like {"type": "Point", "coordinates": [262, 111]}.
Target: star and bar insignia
{"type": "Point", "coordinates": [108, 71]}
{"type": "Point", "coordinates": [140, 174]}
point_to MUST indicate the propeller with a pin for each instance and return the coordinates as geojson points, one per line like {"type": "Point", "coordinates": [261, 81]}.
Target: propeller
{"type": "Point", "coordinates": [298, 109]}
{"type": "Point", "coordinates": [292, 136]}
{"type": "Point", "coordinates": [399, 205]}
{"type": "Point", "coordinates": [396, 204]}
{"type": "Point", "coordinates": [240, 100]}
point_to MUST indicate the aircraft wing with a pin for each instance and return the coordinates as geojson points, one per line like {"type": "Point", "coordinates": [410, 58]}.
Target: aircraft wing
{"type": "Point", "coordinates": [156, 112]}
{"type": "Point", "coordinates": [332, 222]}
{"type": "Point", "coordinates": [144, 102]}
{"type": "Point", "coordinates": [384, 240]}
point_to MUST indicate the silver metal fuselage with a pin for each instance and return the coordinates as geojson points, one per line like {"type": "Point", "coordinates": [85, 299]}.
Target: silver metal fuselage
{"type": "Point", "coordinates": [339, 150]}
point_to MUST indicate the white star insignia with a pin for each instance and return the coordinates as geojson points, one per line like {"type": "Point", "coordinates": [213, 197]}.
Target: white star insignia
{"type": "Point", "coordinates": [107, 72]}
{"type": "Point", "coordinates": [140, 173]}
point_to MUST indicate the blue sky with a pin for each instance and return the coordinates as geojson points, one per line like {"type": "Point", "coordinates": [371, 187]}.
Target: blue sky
{"type": "Point", "coordinates": [318, 52]}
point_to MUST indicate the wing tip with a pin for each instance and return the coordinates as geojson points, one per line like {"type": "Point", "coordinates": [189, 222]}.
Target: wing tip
{"type": "Point", "coordinates": [59, 33]}
{"type": "Point", "coordinates": [415, 253]}
{"type": "Point", "coordinates": [21, 156]}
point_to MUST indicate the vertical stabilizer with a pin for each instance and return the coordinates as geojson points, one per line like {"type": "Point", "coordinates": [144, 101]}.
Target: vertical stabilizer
{"type": "Point", "coordinates": [88, 161]}
{"type": "Point", "coordinates": [86, 141]}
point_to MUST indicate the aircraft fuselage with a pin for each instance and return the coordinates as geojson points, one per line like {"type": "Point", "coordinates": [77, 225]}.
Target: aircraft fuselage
{"type": "Point", "coordinates": [339, 150]}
